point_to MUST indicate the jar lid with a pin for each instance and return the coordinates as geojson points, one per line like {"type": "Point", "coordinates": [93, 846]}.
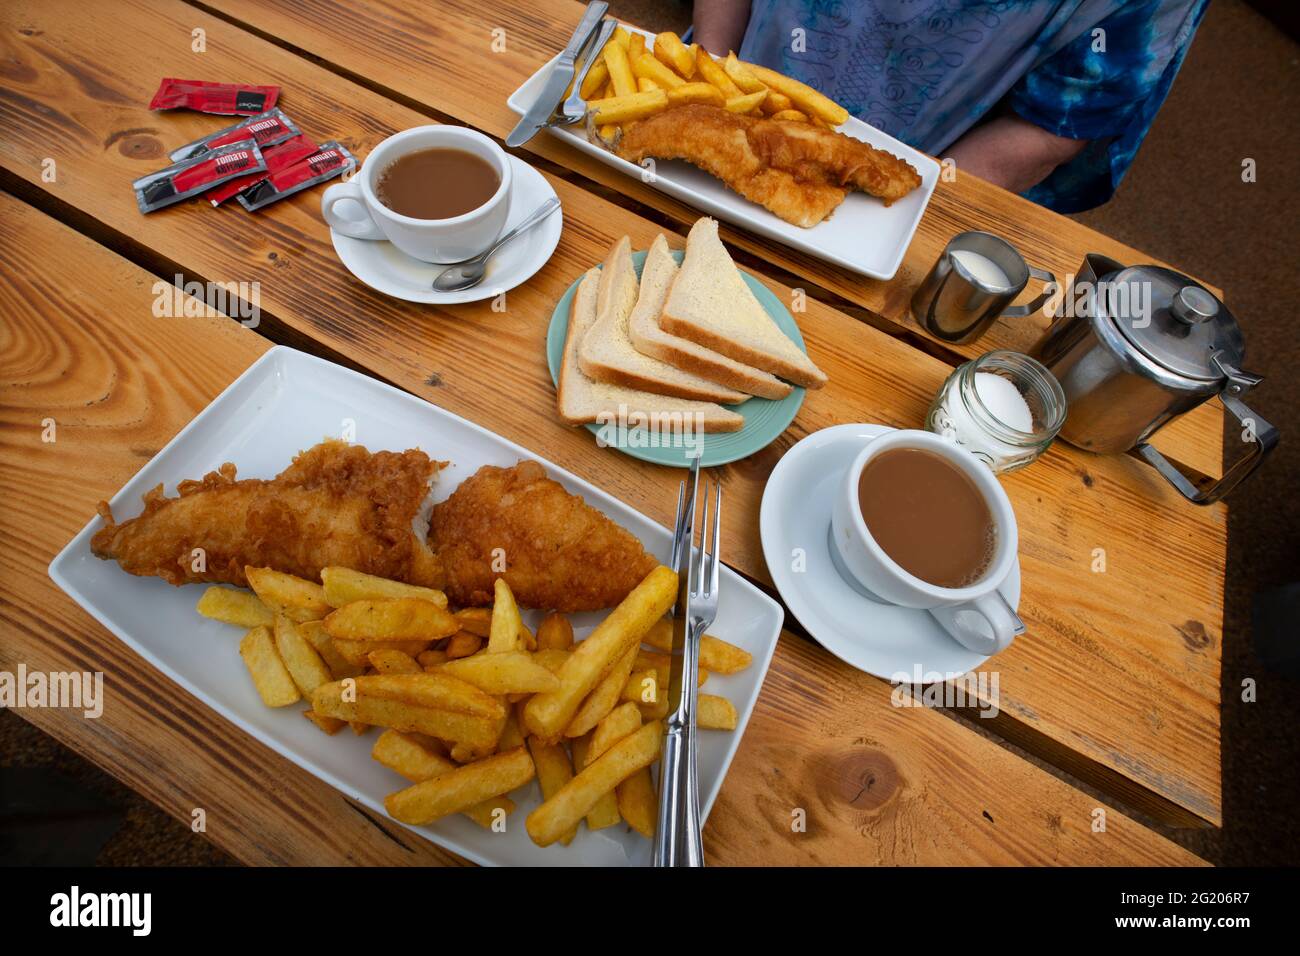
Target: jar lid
{"type": "Point", "coordinates": [1173, 321]}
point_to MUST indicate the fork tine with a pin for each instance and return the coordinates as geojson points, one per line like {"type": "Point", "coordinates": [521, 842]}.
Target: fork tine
{"type": "Point", "coordinates": [714, 555]}
{"type": "Point", "coordinates": [697, 564]}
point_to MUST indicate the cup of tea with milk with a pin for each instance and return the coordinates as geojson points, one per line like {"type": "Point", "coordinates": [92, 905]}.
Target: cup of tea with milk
{"type": "Point", "coordinates": [440, 194]}
{"type": "Point", "coordinates": [920, 522]}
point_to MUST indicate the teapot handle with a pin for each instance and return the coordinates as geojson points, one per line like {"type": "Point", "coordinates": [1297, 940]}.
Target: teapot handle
{"type": "Point", "coordinates": [1262, 438]}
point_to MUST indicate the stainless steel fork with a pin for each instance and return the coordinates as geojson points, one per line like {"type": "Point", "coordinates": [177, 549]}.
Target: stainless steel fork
{"type": "Point", "coordinates": [677, 836]}
{"type": "Point", "coordinates": [575, 107]}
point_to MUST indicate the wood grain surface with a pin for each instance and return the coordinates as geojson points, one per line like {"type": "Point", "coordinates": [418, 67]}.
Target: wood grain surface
{"type": "Point", "coordinates": [120, 382]}
{"type": "Point", "coordinates": [440, 57]}
{"type": "Point", "coordinates": [1117, 679]}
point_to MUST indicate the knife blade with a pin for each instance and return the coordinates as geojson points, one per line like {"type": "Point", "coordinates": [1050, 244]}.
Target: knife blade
{"type": "Point", "coordinates": [558, 81]}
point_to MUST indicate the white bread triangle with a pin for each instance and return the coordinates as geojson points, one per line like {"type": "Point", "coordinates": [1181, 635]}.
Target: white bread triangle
{"type": "Point", "coordinates": [582, 401]}
{"type": "Point", "coordinates": [606, 353]}
{"type": "Point", "coordinates": [711, 305]}
{"type": "Point", "coordinates": [649, 339]}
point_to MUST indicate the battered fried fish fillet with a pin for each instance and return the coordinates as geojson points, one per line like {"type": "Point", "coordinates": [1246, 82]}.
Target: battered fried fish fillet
{"type": "Point", "coordinates": [717, 142]}
{"type": "Point", "coordinates": [559, 552]}
{"type": "Point", "coordinates": [811, 153]}
{"type": "Point", "coordinates": [797, 171]}
{"type": "Point", "coordinates": [336, 504]}
{"type": "Point", "coordinates": [340, 504]}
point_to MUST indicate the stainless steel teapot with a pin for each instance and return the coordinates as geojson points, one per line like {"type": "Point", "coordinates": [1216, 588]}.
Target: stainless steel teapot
{"type": "Point", "coordinates": [1135, 347]}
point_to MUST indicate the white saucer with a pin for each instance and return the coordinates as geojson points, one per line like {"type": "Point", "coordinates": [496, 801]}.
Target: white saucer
{"type": "Point", "coordinates": [386, 269]}
{"type": "Point", "coordinates": [895, 643]}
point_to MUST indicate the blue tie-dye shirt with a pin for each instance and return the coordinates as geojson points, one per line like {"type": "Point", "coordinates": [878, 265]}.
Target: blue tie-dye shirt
{"type": "Point", "coordinates": [926, 71]}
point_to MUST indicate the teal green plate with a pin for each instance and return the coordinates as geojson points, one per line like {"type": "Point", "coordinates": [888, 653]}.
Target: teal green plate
{"type": "Point", "coordinates": [765, 419]}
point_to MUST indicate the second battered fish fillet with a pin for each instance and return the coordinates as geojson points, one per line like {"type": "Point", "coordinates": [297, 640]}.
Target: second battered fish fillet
{"type": "Point", "coordinates": [558, 552]}
{"type": "Point", "coordinates": [797, 171]}
{"type": "Point", "coordinates": [717, 141]}
{"type": "Point", "coordinates": [336, 504]}
{"type": "Point", "coordinates": [810, 152]}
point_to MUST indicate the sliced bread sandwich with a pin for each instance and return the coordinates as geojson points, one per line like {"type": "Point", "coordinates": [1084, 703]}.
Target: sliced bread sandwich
{"type": "Point", "coordinates": [710, 304]}
{"type": "Point", "coordinates": [649, 339]}
{"type": "Point", "coordinates": [606, 353]}
{"type": "Point", "coordinates": [583, 401]}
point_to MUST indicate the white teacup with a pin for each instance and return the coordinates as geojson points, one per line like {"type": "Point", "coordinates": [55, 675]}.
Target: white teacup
{"type": "Point", "coordinates": [429, 240]}
{"type": "Point", "coordinates": [958, 610]}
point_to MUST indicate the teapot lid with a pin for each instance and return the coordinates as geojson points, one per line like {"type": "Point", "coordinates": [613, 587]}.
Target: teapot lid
{"type": "Point", "coordinates": [1174, 321]}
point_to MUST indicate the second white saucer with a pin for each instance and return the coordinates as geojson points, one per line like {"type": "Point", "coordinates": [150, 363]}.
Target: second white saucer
{"type": "Point", "coordinates": [895, 643]}
{"type": "Point", "coordinates": [387, 269]}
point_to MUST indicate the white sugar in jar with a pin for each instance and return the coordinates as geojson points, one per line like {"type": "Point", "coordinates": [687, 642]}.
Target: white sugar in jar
{"type": "Point", "coordinates": [1003, 407]}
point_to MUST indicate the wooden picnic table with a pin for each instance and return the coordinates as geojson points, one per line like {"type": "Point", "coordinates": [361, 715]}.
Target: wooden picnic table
{"type": "Point", "coordinates": [1115, 685]}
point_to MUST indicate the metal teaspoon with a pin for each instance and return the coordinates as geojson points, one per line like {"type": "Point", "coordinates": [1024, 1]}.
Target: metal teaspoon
{"type": "Point", "coordinates": [467, 274]}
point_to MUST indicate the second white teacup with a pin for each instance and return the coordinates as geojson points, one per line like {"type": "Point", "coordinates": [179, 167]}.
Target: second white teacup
{"type": "Point", "coordinates": [429, 240]}
{"type": "Point", "coordinates": [977, 615]}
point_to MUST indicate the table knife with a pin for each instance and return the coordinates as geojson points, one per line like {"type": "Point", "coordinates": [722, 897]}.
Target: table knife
{"type": "Point", "coordinates": [677, 831]}
{"type": "Point", "coordinates": [558, 81]}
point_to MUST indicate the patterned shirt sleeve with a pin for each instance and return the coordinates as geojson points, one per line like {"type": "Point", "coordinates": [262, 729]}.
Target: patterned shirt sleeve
{"type": "Point", "coordinates": [1106, 86]}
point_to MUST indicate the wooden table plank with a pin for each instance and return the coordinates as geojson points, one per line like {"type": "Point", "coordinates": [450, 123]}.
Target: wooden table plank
{"type": "Point", "coordinates": [119, 383]}
{"type": "Point", "coordinates": [1114, 679]}
{"type": "Point", "coordinates": [438, 56]}
{"type": "Point", "coordinates": [85, 350]}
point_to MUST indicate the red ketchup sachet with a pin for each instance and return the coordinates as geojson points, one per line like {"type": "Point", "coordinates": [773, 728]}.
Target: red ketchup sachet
{"type": "Point", "coordinates": [193, 176]}
{"type": "Point", "coordinates": [224, 99]}
{"type": "Point", "coordinates": [278, 157]}
{"type": "Point", "coordinates": [329, 161]}
{"type": "Point", "coordinates": [266, 129]}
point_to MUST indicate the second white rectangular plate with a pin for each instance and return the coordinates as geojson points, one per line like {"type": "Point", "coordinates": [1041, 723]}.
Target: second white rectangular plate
{"type": "Point", "coordinates": [288, 401]}
{"type": "Point", "coordinates": [863, 234]}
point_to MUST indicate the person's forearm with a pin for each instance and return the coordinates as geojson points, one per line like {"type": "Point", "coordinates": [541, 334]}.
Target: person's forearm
{"type": "Point", "coordinates": [1012, 152]}
{"type": "Point", "coordinates": [720, 24]}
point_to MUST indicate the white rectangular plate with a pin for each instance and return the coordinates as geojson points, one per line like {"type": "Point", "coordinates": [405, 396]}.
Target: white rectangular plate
{"type": "Point", "coordinates": [863, 234]}
{"type": "Point", "coordinates": [288, 401]}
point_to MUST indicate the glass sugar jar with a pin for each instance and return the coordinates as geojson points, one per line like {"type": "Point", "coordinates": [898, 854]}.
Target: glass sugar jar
{"type": "Point", "coordinates": [1003, 407]}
